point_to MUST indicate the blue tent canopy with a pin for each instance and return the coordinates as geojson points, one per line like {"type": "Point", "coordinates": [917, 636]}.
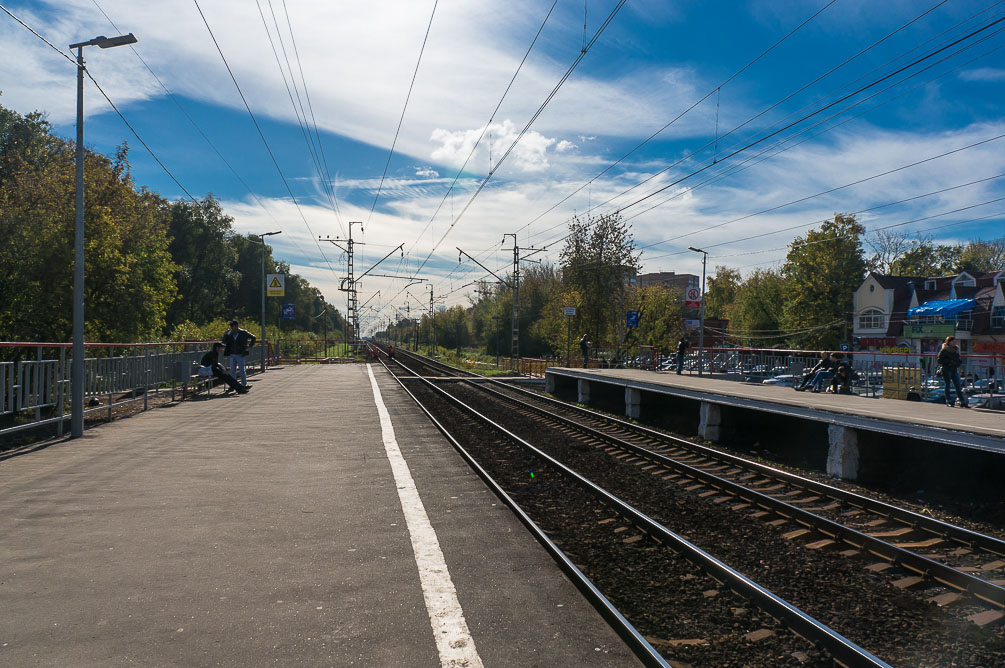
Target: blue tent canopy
{"type": "Point", "coordinates": [947, 308]}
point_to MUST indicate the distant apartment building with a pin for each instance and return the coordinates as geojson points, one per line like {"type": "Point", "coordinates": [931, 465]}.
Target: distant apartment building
{"type": "Point", "coordinates": [669, 279]}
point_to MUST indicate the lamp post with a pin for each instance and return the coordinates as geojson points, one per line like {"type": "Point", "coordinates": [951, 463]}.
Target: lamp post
{"type": "Point", "coordinates": [77, 369]}
{"type": "Point", "coordinates": [701, 323]}
{"type": "Point", "coordinates": [267, 234]}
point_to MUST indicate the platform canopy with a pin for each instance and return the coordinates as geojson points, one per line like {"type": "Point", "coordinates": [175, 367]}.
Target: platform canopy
{"type": "Point", "coordinates": [946, 308]}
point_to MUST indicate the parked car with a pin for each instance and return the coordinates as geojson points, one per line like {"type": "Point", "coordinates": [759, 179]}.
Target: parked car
{"type": "Point", "coordinates": [783, 380]}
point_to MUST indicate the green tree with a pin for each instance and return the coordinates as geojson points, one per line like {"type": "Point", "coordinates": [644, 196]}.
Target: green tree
{"type": "Point", "coordinates": [924, 258]}
{"type": "Point", "coordinates": [200, 246]}
{"type": "Point", "coordinates": [660, 316]}
{"type": "Point", "coordinates": [128, 271]}
{"type": "Point", "coordinates": [978, 257]}
{"type": "Point", "coordinates": [755, 315]}
{"type": "Point", "coordinates": [821, 275]}
{"type": "Point", "coordinates": [721, 291]}
{"type": "Point", "coordinates": [597, 261]}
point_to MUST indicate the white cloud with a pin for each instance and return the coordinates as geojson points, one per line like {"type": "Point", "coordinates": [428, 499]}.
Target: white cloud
{"type": "Point", "coordinates": [988, 74]}
{"type": "Point", "coordinates": [428, 172]}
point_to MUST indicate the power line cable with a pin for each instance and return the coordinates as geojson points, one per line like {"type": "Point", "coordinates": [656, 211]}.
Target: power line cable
{"type": "Point", "coordinates": [401, 119]}
{"type": "Point", "coordinates": [526, 128]}
{"type": "Point", "coordinates": [264, 140]}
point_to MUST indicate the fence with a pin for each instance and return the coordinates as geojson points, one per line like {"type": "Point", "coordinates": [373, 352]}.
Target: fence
{"type": "Point", "coordinates": [920, 370]}
{"type": "Point", "coordinates": [35, 378]}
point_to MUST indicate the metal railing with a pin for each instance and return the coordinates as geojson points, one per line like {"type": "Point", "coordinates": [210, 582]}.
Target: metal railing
{"type": "Point", "coordinates": [35, 378]}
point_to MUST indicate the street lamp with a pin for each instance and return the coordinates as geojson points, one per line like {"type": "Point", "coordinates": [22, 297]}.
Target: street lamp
{"type": "Point", "coordinates": [77, 369]}
{"type": "Point", "coordinates": [267, 234]}
{"type": "Point", "coordinates": [701, 323]}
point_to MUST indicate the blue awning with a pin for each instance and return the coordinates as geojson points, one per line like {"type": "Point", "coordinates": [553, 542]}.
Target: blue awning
{"type": "Point", "coordinates": [947, 308]}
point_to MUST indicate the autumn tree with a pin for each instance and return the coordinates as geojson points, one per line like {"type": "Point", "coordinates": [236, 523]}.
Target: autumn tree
{"type": "Point", "coordinates": [756, 312]}
{"type": "Point", "coordinates": [822, 272]}
{"type": "Point", "coordinates": [721, 291]}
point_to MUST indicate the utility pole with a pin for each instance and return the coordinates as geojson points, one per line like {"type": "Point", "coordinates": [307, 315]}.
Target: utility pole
{"type": "Point", "coordinates": [432, 321]}
{"type": "Point", "coordinates": [348, 284]}
{"type": "Point", "coordinates": [701, 322]}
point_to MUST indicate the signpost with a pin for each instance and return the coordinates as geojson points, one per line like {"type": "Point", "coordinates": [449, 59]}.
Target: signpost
{"type": "Point", "coordinates": [570, 313]}
{"type": "Point", "coordinates": [632, 319]}
{"type": "Point", "coordinates": [275, 285]}
{"type": "Point", "coordinates": [693, 298]}
{"type": "Point", "coordinates": [289, 311]}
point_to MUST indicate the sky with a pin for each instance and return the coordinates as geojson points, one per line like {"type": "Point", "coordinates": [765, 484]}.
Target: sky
{"type": "Point", "coordinates": [729, 126]}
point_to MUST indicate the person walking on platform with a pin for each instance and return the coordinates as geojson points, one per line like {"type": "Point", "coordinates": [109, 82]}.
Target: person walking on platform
{"type": "Point", "coordinates": [237, 342]}
{"type": "Point", "coordinates": [682, 347]}
{"type": "Point", "coordinates": [584, 346]}
{"type": "Point", "coordinates": [211, 361]}
{"type": "Point", "coordinates": [950, 361]}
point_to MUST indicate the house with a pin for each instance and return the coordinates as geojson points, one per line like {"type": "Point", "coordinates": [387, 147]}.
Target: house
{"type": "Point", "coordinates": [915, 314]}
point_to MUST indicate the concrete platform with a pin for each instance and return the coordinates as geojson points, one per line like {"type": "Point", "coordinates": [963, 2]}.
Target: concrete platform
{"type": "Point", "coordinates": [267, 529]}
{"type": "Point", "coordinates": [973, 428]}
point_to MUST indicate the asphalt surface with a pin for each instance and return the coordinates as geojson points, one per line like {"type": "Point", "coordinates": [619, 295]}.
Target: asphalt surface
{"type": "Point", "coordinates": [266, 530]}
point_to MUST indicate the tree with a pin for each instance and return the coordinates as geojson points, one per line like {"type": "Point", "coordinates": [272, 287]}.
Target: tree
{"type": "Point", "coordinates": [597, 260]}
{"type": "Point", "coordinates": [978, 257]}
{"type": "Point", "coordinates": [888, 247]}
{"type": "Point", "coordinates": [199, 245]}
{"type": "Point", "coordinates": [755, 315]}
{"type": "Point", "coordinates": [721, 291]}
{"type": "Point", "coordinates": [128, 271]}
{"type": "Point", "coordinates": [821, 275]}
{"type": "Point", "coordinates": [924, 258]}
{"type": "Point", "coordinates": [660, 316]}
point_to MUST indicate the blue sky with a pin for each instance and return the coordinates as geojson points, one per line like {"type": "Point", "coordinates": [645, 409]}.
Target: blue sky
{"type": "Point", "coordinates": [652, 62]}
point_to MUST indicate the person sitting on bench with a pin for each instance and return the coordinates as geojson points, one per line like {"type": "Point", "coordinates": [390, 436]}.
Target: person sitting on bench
{"type": "Point", "coordinates": [211, 361]}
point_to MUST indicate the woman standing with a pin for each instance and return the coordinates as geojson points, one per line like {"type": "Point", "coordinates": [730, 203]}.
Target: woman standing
{"type": "Point", "coordinates": [950, 361]}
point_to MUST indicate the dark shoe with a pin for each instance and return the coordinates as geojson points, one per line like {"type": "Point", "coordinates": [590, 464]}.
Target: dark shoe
{"type": "Point", "coordinates": [242, 390]}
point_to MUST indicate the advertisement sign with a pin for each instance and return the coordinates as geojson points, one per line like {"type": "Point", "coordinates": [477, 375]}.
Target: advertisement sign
{"type": "Point", "coordinates": [632, 319]}
{"type": "Point", "coordinates": [929, 330]}
{"type": "Point", "coordinates": [989, 347]}
{"type": "Point", "coordinates": [275, 285]}
{"type": "Point", "coordinates": [568, 310]}
{"type": "Point", "coordinates": [289, 311]}
{"type": "Point", "coordinates": [877, 341]}
{"type": "Point", "coordinates": [692, 324]}
{"type": "Point", "coordinates": [692, 299]}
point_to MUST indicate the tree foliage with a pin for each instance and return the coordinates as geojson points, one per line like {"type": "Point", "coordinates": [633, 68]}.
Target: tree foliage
{"type": "Point", "coordinates": [597, 261]}
{"type": "Point", "coordinates": [821, 275]}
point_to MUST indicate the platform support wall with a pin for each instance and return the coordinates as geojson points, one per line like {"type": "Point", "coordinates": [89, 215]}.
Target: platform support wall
{"type": "Point", "coordinates": [549, 383]}
{"type": "Point", "coordinates": [710, 422]}
{"type": "Point", "coordinates": [633, 399]}
{"type": "Point", "coordinates": [584, 391]}
{"type": "Point", "coordinates": [842, 452]}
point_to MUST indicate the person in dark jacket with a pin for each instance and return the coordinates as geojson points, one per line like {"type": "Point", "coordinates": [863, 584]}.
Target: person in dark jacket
{"type": "Point", "coordinates": [950, 361]}
{"type": "Point", "coordinates": [237, 342]}
{"type": "Point", "coordinates": [682, 347]}
{"type": "Point", "coordinates": [211, 361]}
{"type": "Point", "coordinates": [584, 347]}
{"type": "Point", "coordinates": [843, 375]}
{"type": "Point", "coordinates": [819, 374]}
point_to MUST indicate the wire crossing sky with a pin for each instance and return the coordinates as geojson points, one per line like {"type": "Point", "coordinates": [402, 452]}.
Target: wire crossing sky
{"type": "Point", "coordinates": [733, 125]}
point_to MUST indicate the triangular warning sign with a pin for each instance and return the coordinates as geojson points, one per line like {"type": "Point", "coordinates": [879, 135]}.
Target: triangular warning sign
{"type": "Point", "coordinates": [275, 283]}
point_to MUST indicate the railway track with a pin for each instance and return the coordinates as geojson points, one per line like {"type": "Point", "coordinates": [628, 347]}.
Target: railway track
{"type": "Point", "coordinates": [965, 561]}
{"type": "Point", "coordinates": [658, 538]}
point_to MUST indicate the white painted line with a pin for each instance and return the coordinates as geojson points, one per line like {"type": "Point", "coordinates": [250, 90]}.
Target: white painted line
{"type": "Point", "coordinates": [453, 640]}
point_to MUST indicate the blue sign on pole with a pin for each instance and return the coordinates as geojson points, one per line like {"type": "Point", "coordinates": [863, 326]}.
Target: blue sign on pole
{"type": "Point", "coordinates": [289, 311]}
{"type": "Point", "coordinates": [633, 319]}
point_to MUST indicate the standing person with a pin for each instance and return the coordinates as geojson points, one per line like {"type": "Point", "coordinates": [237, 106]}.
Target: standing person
{"type": "Point", "coordinates": [682, 347]}
{"type": "Point", "coordinates": [237, 342]}
{"type": "Point", "coordinates": [950, 361]}
{"type": "Point", "coordinates": [584, 346]}
{"type": "Point", "coordinates": [211, 361]}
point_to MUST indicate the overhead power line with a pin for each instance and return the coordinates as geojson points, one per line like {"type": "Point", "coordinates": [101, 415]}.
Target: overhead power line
{"type": "Point", "coordinates": [526, 128]}
{"type": "Point", "coordinates": [404, 107]}
{"type": "Point", "coordinates": [264, 140]}
{"type": "Point", "coordinates": [110, 103]}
